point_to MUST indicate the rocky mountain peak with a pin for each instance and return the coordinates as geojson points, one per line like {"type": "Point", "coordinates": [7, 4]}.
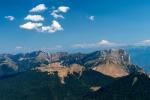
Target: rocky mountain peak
{"type": "Point", "coordinates": [112, 62]}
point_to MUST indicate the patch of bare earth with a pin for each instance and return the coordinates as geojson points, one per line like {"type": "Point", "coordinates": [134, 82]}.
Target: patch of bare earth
{"type": "Point", "coordinates": [62, 71]}
{"type": "Point", "coordinates": [95, 88]}
{"type": "Point", "coordinates": [113, 70]}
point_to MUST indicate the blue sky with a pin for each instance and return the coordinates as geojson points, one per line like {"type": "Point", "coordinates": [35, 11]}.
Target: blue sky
{"type": "Point", "coordinates": [79, 24]}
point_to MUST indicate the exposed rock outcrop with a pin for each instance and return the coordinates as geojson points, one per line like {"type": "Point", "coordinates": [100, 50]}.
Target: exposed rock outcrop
{"type": "Point", "coordinates": [115, 63]}
{"type": "Point", "coordinates": [61, 70]}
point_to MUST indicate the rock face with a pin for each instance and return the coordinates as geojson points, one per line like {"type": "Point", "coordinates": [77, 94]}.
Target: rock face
{"type": "Point", "coordinates": [12, 64]}
{"type": "Point", "coordinates": [99, 57]}
{"type": "Point", "coordinates": [115, 63]}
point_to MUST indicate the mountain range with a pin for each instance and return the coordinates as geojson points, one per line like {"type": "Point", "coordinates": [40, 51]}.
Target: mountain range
{"type": "Point", "coordinates": [101, 75]}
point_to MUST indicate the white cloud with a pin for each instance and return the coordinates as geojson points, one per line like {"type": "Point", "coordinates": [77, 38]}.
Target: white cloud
{"type": "Point", "coordinates": [105, 42]}
{"type": "Point", "coordinates": [10, 18]}
{"type": "Point", "coordinates": [34, 18]}
{"type": "Point", "coordinates": [92, 18]}
{"type": "Point", "coordinates": [55, 15]}
{"type": "Point", "coordinates": [39, 8]}
{"type": "Point", "coordinates": [18, 47]}
{"type": "Point", "coordinates": [84, 45]}
{"type": "Point", "coordinates": [101, 43]}
{"type": "Point", "coordinates": [144, 42]}
{"type": "Point", "coordinates": [55, 26]}
{"type": "Point", "coordinates": [31, 25]}
{"type": "Point", "coordinates": [61, 9]}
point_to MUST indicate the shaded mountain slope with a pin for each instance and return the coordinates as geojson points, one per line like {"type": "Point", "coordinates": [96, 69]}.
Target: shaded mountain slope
{"type": "Point", "coordinates": [133, 87]}
{"type": "Point", "coordinates": [33, 85]}
{"type": "Point", "coordinates": [93, 78]}
{"type": "Point", "coordinates": [40, 86]}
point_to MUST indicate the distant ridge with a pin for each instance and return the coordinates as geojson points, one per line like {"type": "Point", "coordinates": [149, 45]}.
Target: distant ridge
{"type": "Point", "coordinates": [115, 63]}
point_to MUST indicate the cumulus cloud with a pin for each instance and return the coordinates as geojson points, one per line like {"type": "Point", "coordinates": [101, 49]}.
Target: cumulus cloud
{"type": "Point", "coordinates": [55, 26]}
{"type": "Point", "coordinates": [104, 42]}
{"type": "Point", "coordinates": [92, 18]}
{"type": "Point", "coordinates": [39, 8]}
{"type": "Point", "coordinates": [61, 9]}
{"type": "Point", "coordinates": [10, 18]}
{"type": "Point", "coordinates": [31, 25]}
{"type": "Point", "coordinates": [93, 45]}
{"type": "Point", "coordinates": [34, 18]}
